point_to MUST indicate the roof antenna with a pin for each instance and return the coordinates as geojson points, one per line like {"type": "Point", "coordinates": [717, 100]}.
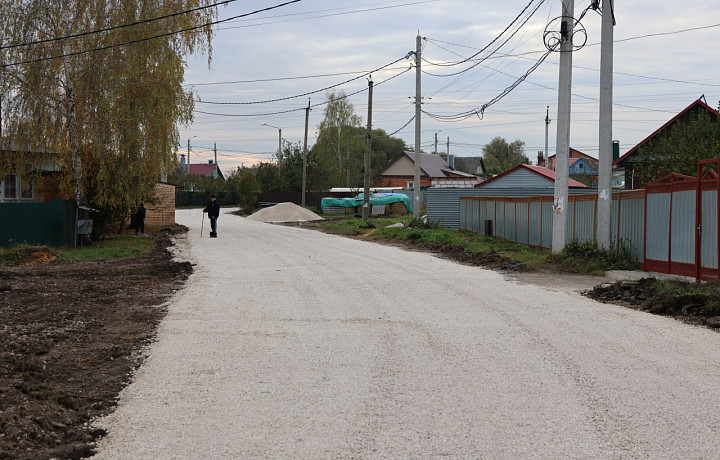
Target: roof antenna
{"type": "Point", "coordinates": [703, 99]}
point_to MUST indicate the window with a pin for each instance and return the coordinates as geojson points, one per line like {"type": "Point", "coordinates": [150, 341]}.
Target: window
{"type": "Point", "coordinates": [10, 187]}
{"type": "Point", "coordinates": [409, 185]}
{"type": "Point", "coordinates": [26, 191]}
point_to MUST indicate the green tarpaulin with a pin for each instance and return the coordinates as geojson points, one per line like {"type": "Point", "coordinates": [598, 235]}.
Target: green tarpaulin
{"type": "Point", "coordinates": [376, 199]}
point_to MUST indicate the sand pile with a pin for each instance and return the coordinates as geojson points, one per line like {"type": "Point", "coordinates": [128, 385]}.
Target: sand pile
{"type": "Point", "coordinates": [284, 212]}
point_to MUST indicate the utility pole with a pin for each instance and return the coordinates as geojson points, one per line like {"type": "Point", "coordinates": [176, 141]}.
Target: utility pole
{"type": "Point", "coordinates": [368, 156]}
{"type": "Point", "coordinates": [447, 149]}
{"type": "Point", "coordinates": [547, 125]}
{"type": "Point", "coordinates": [436, 152]}
{"type": "Point", "coordinates": [604, 204]}
{"type": "Point", "coordinates": [304, 174]}
{"type": "Point", "coordinates": [187, 167]}
{"type": "Point", "coordinates": [416, 178]}
{"type": "Point", "coordinates": [215, 150]}
{"type": "Point", "coordinates": [562, 142]}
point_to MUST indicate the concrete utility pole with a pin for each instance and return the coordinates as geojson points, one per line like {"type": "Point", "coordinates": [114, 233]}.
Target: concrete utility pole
{"type": "Point", "coordinates": [447, 148]}
{"type": "Point", "coordinates": [187, 167]}
{"type": "Point", "coordinates": [547, 125]}
{"type": "Point", "coordinates": [604, 204]}
{"type": "Point", "coordinates": [416, 180]}
{"type": "Point", "coordinates": [368, 157]}
{"type": "Point", "coordinates": [562, 142]}
{"type": "Point", "coordinates": [307, 117]}
{"type": "Point", "coordinates": [215, 150]}
{"type": "Point", "coordinates": [436, 152]}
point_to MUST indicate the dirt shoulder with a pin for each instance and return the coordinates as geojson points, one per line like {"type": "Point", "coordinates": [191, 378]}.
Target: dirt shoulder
{"type": "Point", "coordinates": [73, 332]}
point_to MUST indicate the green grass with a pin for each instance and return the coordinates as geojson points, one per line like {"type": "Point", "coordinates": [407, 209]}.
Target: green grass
{"type": "Point", "coordinates": [10, 256]}
{"type": "Point", "coordinates": [581, 258]}
{"type": "Point", "coordinates": [684, 288]}
{"type": "Point", "coordinates": [119, 247]}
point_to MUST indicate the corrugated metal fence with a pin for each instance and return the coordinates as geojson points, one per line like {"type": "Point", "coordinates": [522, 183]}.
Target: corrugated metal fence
{"type": "Point", "coordinates": [51, 224]}
{"type": "Point", "coordinates": [442, 203]}
{"type": "Point", "coordinates": [528, 220]}
{"type": "Point", "coordinates": [683, 218]}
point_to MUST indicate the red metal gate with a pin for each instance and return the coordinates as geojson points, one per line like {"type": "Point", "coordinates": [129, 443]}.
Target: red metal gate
{"type": "Point", "coordinates": [675, 241]}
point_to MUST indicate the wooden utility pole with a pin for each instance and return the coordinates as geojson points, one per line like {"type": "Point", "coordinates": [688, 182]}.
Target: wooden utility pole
{"type": "Point", "coordinates": [562, 142]}
{"type": "Point", "coordinates": [547, 126]}
{"type": "Point", "coordinates": [416, 179]}
{"type": "Point", "coordinates": [368, 157]}
{"type": "Point", "coordinates": [304, 172]}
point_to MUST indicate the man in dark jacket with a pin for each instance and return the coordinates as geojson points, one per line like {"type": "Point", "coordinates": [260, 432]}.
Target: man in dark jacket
{"type": "Point", "coordinates": [213, 210]}
{"type": "Point", "coordinates": [140, 221]}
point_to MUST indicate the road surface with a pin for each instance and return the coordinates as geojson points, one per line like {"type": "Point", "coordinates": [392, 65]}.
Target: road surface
{"type": "Point", "coordinates": [290, 343]}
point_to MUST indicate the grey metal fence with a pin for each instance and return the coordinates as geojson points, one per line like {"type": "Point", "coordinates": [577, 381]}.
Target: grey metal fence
{"type": "Point", "coordinates": [528, 220]}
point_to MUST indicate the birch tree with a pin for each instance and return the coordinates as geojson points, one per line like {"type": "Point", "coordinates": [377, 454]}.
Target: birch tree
{"type": "Point", "coordinates": [110, 100]}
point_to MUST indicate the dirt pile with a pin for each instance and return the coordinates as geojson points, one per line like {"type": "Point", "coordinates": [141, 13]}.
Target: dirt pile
{"type": "Point", "coordinates": [284, 212]}
{"type": "Point", "coordinates": [72, 334]}
{"type": "Point", "coordinates": [644, 295]}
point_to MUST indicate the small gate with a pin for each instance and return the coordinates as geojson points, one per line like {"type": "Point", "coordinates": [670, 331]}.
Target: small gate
{"type": "Point", "coordinates": [681, 224]}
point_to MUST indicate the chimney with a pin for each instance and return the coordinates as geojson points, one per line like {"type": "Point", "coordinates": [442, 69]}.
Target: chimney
{"type": "Point", "coordinates": [616, 150]}
{"type": "Point", "coordinates": [541, 159]}
{"type": "Point", "coordinates": [451, 161]}
{"type": "Point", "coordinates": [210, 162]}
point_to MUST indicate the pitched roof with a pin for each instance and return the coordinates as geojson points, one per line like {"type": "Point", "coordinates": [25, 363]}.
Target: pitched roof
{"type": "Point", "coordinates": [697, 103]}
{"type": "Point", "coordinates": [433, 166]}
{"type": "Point", "coordinates": [539, 170]}
{"type": "Point", "coordinates": [206, 170]}
{"type": "Point", "coordinates": [575, 153]}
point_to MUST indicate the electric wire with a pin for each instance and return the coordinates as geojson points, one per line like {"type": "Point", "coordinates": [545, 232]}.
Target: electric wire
{"type": "Point", "coordinates": [140, 40]}
{"type": "Point", "coordinates": [309, 92]}
{"type": "Point", "coordinates": [301, 108]}
{"type": "Point", "coordinates": [121, 26]}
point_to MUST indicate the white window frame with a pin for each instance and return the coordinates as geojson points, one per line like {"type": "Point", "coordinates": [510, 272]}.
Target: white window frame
{"type": "Point", "coordinates": [19, 194]}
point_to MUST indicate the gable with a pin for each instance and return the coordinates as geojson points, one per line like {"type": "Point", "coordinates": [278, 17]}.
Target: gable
{"type": "Point", "coordinates": [689, 113]}
{"type": "Point", "coordinates": [404, 166]}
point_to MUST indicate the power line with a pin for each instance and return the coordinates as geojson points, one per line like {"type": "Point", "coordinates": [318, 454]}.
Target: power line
{"type": "Point", "coordinates": [310, 92]}
{"type": "Point", "coordinates": [108, 29]}
{"type": "Point", "coordinates": [329, 15]}
{"type": "Point", "coordinates": [297, 109]}
{"type": "Point", "coordinates": [167, 34]}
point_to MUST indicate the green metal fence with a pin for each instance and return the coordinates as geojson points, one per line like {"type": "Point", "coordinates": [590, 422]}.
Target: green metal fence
{"type": "Point", "coordinates": [51, 224]}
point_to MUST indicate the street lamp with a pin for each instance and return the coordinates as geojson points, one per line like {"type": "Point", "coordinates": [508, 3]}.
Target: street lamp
{"type": "Point", "coordinates": [279, 154]}
{"type": "Point", "coordinates": [187, 171]}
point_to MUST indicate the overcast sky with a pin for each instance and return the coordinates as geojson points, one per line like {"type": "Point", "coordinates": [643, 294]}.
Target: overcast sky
{"type": "Point", "coordinates": [660, 68]}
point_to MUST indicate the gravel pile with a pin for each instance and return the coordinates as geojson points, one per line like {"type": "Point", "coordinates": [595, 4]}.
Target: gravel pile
{"type": "Point", "coordinates": [284, 212]}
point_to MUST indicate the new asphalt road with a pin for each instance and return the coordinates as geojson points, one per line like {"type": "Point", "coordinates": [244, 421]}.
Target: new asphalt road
{"type": "Point", "coordinates": [289, 343]}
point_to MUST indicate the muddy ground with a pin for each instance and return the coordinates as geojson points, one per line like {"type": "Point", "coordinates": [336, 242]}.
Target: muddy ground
{"type": "Point", "coordinates": [72, 333]}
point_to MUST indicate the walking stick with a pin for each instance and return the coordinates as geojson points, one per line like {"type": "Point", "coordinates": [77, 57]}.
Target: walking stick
{"type": "Point", "coordinates": [202, 225]}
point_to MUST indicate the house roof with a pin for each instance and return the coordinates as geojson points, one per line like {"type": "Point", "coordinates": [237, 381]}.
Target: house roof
{"type": "Point", "coordinates": [575, 154]}
{"type": "Point", "coordinates": [698, 103]}
{"type": "Point", "coordinates": [203, 169]}
{"type": "Point", "coordinates": [539, 170]}
{"type": "Point", "coordinates": [433, 166]}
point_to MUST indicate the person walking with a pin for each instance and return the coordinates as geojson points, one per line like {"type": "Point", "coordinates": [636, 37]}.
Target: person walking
{"type": "Point", "coordinates": [140, 221]}
{"type": "Point", "coordinates": [213, 211]}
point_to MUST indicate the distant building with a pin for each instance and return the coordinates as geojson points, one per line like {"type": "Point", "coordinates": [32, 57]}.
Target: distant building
{"type": "Point", "coordinates": [211, 169]}
{"type": "Point", "coordinates": [629, 161]}
{"type": "Point", "coordinates": [434, 170]}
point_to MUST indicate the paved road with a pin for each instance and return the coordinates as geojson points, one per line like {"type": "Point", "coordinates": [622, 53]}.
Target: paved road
{"type": "Point", "coordinates": [289, 343]}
